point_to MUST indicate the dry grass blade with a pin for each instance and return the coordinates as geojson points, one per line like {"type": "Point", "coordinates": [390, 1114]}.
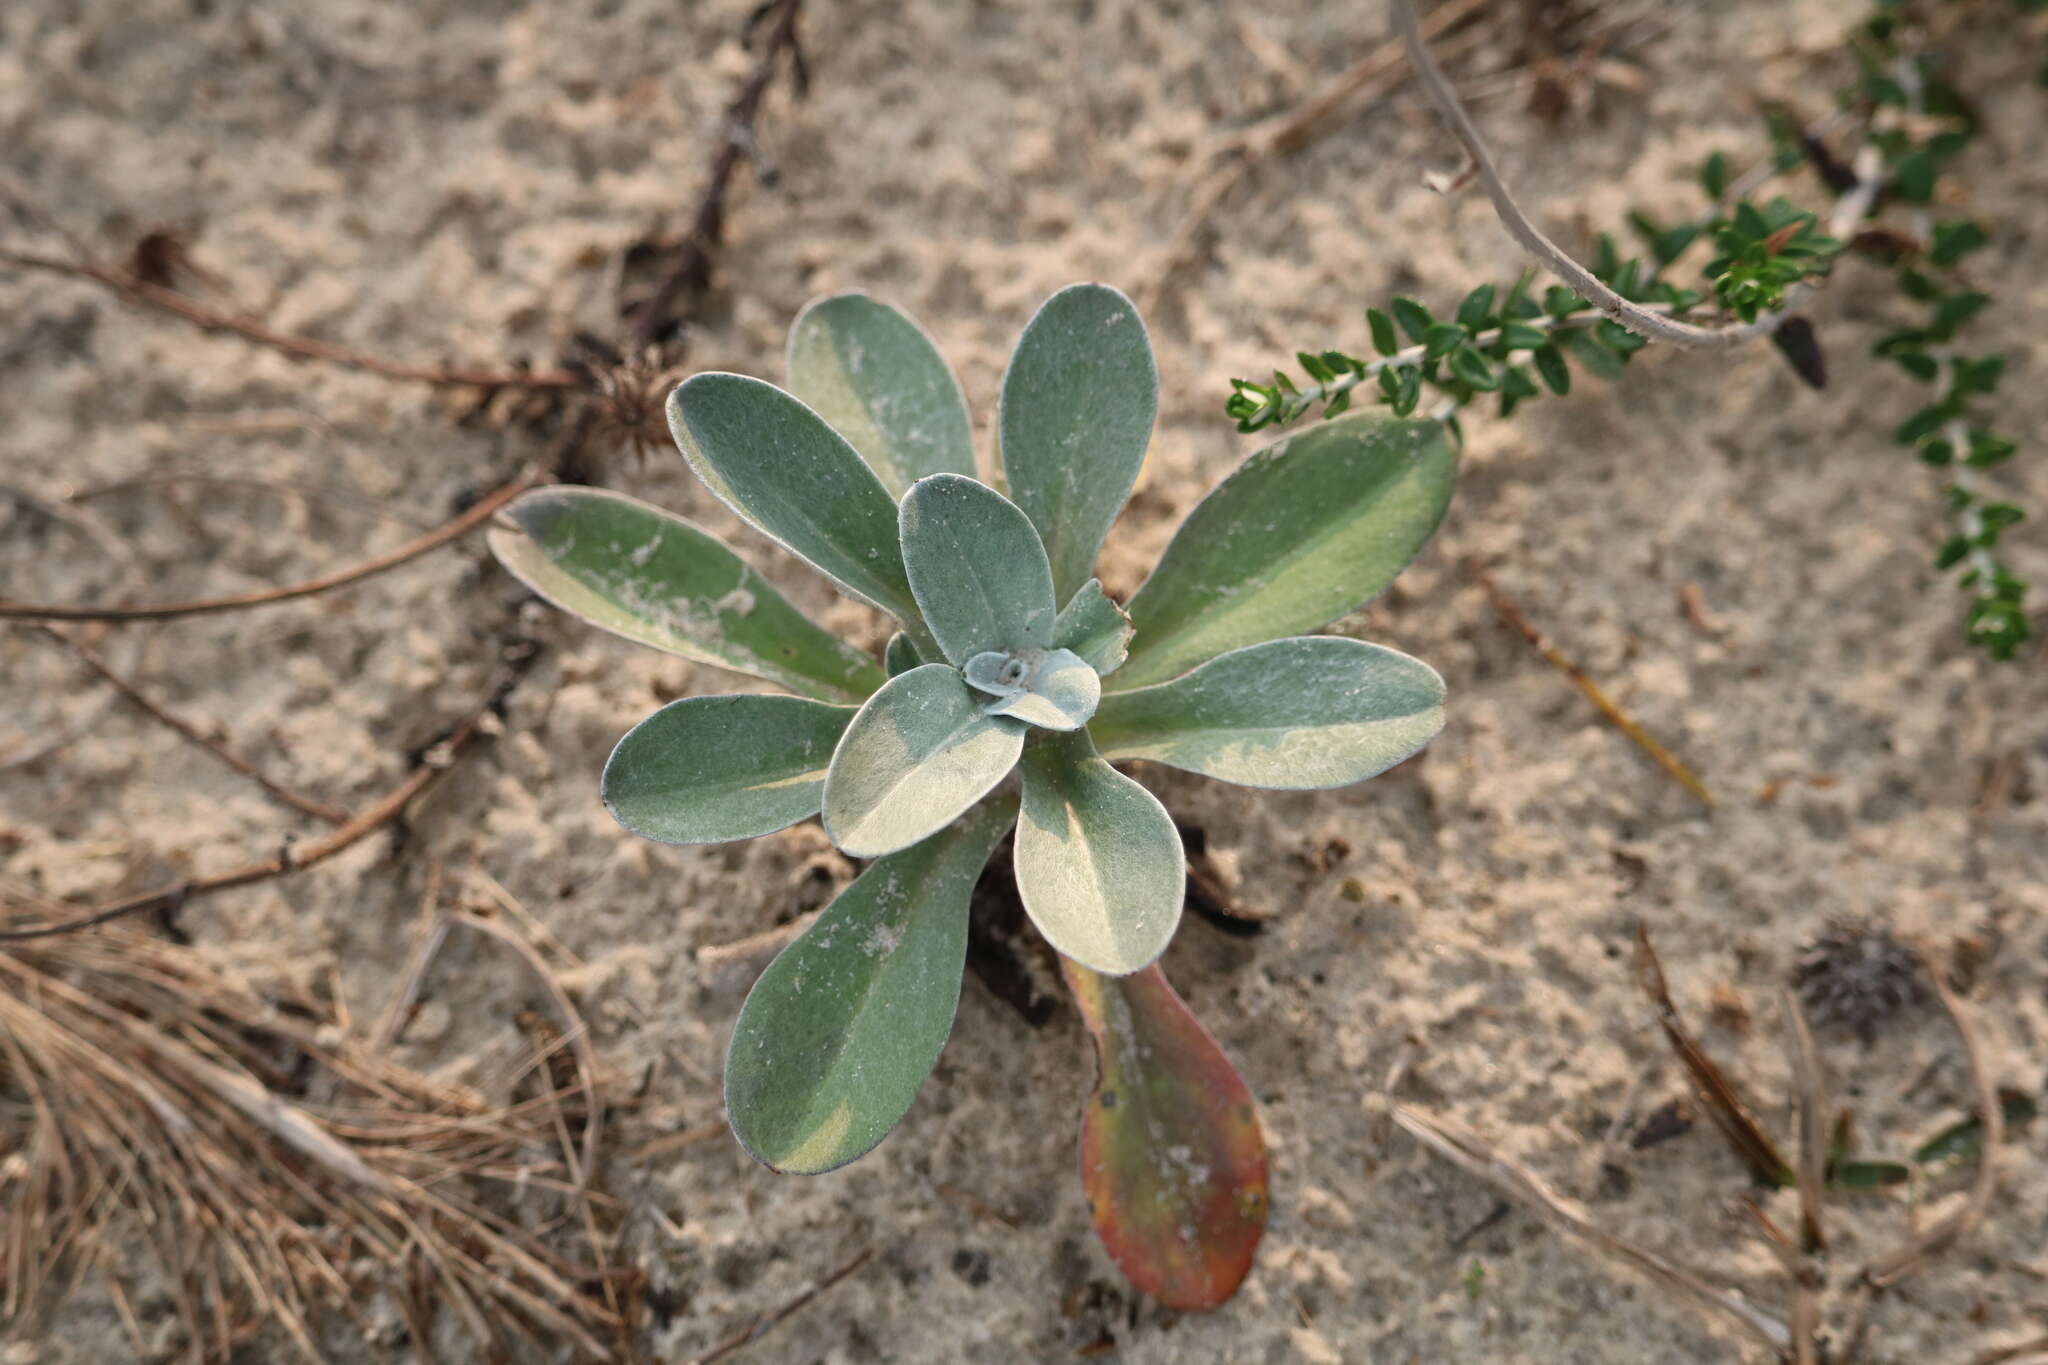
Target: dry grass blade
{"type": "Point", "coordinates": [1810, 1084]}
{"type": "Point", "coordinates": [1735, 1122]}
{"type": "Point", "coordinates": [1463, 1148]}
{"type": "Point", "coordinates": [1512, 616]}
{"type": "Point", "coordinates": [2028, 1353]}
{"type": "Point", "coordinates": [146, 1145]}
{"type": "Point", "coordinates": [1945, 1232]}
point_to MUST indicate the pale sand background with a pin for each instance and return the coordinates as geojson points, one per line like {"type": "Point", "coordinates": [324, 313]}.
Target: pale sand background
{"type": "Point", "coordinates": [450, 179]}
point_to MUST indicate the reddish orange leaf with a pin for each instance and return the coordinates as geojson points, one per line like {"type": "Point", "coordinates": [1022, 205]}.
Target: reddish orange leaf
{"type": "Point", "coordinates": [1171, 1155]}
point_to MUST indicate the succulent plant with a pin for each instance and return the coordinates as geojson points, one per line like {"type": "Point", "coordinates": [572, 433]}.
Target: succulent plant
{"type": "Point", "coordinates": [1012, 686]}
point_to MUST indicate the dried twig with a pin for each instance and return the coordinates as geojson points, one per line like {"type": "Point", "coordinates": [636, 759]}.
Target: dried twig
{"type": "Point", "coordinates": [1945, 1232]}
{"type": "Point", "coordinates": [1642, 321]}
{"type": "Point", "coordinates": [1465, 1149]}
{"type": "Point", "coordinates": [1809, 1082]}
{"type": "Point", "coordinates": [372, 818]}
{"type": "Point", "coordinates": [91, 658]}
{"type": "Point", "coordinates": [1649, 322]}
{"type": "Point", "coordinates": [1289, 131]}
{"type": "Point", "coordinates": [574, 1032]}
{"type": "Point", "coordinates": [1512, 616]}
{"type": "Point", "coordinates": [137, 290]}
{"type": "Point", "coordinates": [1717, 1096]}
{"type": "Point", "coordinates": [50, 738]}
{"type": "Point", "coordinates": [689, 271]}
{"type": "Point", "coordinates": [767, 1322]}
{"type": "Point", "coordinates": [455, 528]}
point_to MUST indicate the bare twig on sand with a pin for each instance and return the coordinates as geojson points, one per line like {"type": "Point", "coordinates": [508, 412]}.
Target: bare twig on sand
{"type": "Point", "coordinates": [454, 529]}
{"type": "Point", "coordinates": [765, 1323]}
{"type": "Point", "coordinates": [91, 658]}
{"type": "Point", "coordinates": [437, 761]}
{"type": "Point", "coordinates": [1945, 1232]}
{"type": "Point", "coordinates": [143, 293]}
{"type": "Point", "coordinates": [1511, 615]}
{"type": "Point", "coordinates": [689, 270]}
{"type": "Point", "coordinates": [1460, 1146]}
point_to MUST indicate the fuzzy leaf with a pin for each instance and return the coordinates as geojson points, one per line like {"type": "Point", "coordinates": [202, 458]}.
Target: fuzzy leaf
{"type": "Point", "coordinates": [652, 577]}
{"type": "Point", "coordinates": [1095, 628]}
{"type": "Point", "coordinates": [1300, 533]}
{"type": "Point", "coordinates": [1056, 690]}
{"type": "Point", "coordinates": [976, 567]}
{"type": "Point", "coordinates": [877, 379]}
{"type": "Point", "coordinates": [1099, 863]}
{"type": "Point", "coordinates": [918, 754]}
{"type": "Point", "coordinates": [1075, 417]}
{"type": "Point", "coordinates": [706, 769]}
{"type": "Point", "coordinates": [840, 1032]}
{"type": "Point", "coordinates": [1312, 711]}
{"type": "Point", "coordinates": [900, 655]}
{"type": "Point", "coordinates": [1172, 1159]}
{"type": "Point", "coordinates": [776, 463]}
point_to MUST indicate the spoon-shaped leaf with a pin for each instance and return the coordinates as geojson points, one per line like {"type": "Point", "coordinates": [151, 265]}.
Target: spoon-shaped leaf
{"type": "Point", "coordinates": [650, 576]}
{"type": "Point", "coordinates": [873, 374]}
{"type": "Point", "coordinates": [1297, 535]}
{"type": "Point", "coordinates": [1171, 1155]}
{"type": "Point", "coordinates": [841, 1030]}
{"type": "Point", "coordinates": [776, 463]}
{"type": "Point", "coordinates": [918, 754]}
{"type": "Point", "coordinates": [1313, 711]}
{"type": "Point", "coordinates": [1099, 863]}
{"type": "Point", "coordinates": [976, 567]}
{"type": "Point", "coordinates": [900, 655]}
{"type": "Point", "coordinates": [706, 769]}
{"type": "Point", "coordinates": [1095, 628]}
{"type": "Point", "coordinates": [1075, 417]}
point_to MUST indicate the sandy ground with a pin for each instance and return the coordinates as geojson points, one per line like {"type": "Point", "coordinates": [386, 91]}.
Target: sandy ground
{"type": "Point", "coordinates": [454, 180]}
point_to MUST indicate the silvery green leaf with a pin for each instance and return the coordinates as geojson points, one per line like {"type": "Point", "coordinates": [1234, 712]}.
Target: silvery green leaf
{"type": "Point", "coordinates": [900, 655]}
{"type": "Point", "coordinates": [1054, 688]}
{"type": "Point", "coordinates": [840, 1032]}
{"type": "Point", "coordinates": [876, 378]}
{"type": "Point", "coordinates": [1099, 863]}
{"type": "Point", "coordinates": [1095, 628]}
{"type": "Point", "coordinates": [776, 463]}
{"type": "Point", "coordinates": [918, 754]}
{"type": "Point", "coordinates": [1312, 711]}
{"type": "Point", "coordinates": [1300, 533]}
{"type": "Point", "coordinates": [706, 769]}
{"type": "Point", "coordinates": [650, 576]}
{"type": "Point", "coordinates": [1075, 417]}
{"type": "Point", "coordinates": [976, 568]}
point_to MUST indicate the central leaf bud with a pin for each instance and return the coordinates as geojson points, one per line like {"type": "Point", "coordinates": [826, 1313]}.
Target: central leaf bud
{"type": "Point", "coordinates": [1051, 688]}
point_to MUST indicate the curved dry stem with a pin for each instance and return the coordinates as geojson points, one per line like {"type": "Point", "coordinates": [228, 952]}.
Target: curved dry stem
{"type": "Point", "coordinates": [1944, 1233]}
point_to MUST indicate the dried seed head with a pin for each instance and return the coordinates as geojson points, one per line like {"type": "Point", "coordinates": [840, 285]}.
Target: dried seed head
{"type": "Point", "coordinates": [1856, 974]}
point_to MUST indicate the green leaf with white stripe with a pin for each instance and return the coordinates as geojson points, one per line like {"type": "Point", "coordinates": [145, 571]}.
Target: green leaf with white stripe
{"type": "Point", "coordinates": [775, 462]}
{"type": "Point", "coordinates": [976, 567]}
{"type": "Point", "coordinates": [706, 769]}
{"type": "Point", "coordinates": [1312, 711]}
{"type": "Point", "coordinates": [652, 577]}
{"type": "Point", "coordinates": [873, 374]}
{"type": "Point", "coordinates": [1075, 417]}
{"type": "Point", "coordinates": [838, 1035]}
{"type": "Point", "coordinates": [1098, 861]}
{"type": "Point", "coordinates": [919, 753]}
{"type": "Point", "coordinates": [1303, 531]}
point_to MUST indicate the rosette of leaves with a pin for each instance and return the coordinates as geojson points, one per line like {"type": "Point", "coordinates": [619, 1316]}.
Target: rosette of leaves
{"type": "Point", "coordinates": [1012, 686]}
